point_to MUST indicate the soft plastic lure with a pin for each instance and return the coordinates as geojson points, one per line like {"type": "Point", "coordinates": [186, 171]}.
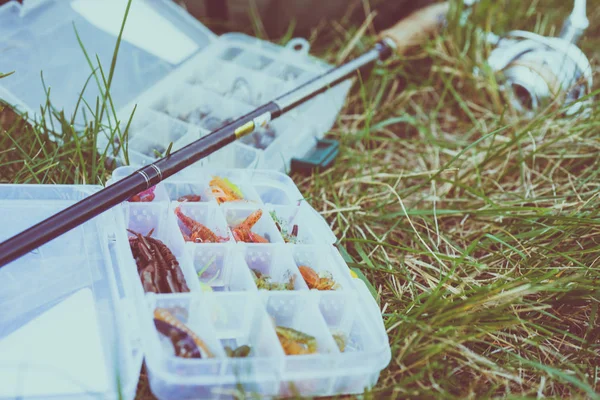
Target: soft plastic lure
{"type": "Point", "coordinates": [199, 233]}
{"type": "Point", "coordinates": [243, 232]}
{"type": "Point", "coordinates": [295, 342]}
{"type": "Point", "coordinates": [323, 281]}
{"type": "Point", "coordinates": [186, 343]}
{"type": "Point", "coordinates": [224, 190]}
{"type": "Point", "coordinates": [144, 197]}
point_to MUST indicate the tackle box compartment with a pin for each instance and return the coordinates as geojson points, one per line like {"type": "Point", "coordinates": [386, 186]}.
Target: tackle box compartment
{"type": "Point", "coordinates": [178, 79]}
{"type": "Point", "coordinates": [84, 291]}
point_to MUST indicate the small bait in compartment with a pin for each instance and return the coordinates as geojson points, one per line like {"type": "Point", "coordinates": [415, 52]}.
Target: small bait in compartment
{"type": "Point", "coordinates": [240, 352]}
{"type": "Point", "coordinates": [193, 198]}
{"type": "Point", "coordinates": [264, 281]}
{"type": "Point", "coordinates": [261, 138]}
{"type": "Point", "coordinates": [340, 341]}
{"type": "Point", "coordinates": [322, 281]}
{"type": "Point", "coordinates": [144, 197]}
{"type": "Point", "coordinates": [185, 342]}
{"type": "Point", "coordinates": [288, 237]}
{"type": "Point", "coordinates": [157, 267]}
{"type": "Point", "coordinates": [198, 233]}
{"type": "Point", "coordinates": [224, 190]}
{"type": "Point", "coordinates": [243, 232]}
{"type": "Point", "coordinates": [295, 342]}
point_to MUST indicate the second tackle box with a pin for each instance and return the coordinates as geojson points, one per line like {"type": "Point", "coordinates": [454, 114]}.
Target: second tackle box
{"type": "Point", "coordinates": [225, 282]}
{"type": "Point", "coordinates": [177, 78]}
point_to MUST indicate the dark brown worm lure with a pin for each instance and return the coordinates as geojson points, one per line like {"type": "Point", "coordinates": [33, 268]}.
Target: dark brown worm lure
{"type": "Point", "coordinates": [157, 267]}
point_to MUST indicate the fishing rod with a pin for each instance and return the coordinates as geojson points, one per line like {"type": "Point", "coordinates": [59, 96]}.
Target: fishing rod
{"type": "Point", "coordinates": [406, 33]}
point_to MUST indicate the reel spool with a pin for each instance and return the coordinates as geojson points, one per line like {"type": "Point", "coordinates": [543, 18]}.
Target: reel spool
{"type": "Point", "coordinates": [537, 70]}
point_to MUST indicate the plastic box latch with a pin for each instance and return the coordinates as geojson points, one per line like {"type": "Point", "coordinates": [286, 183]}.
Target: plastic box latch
{"type": "Point", "coordinates": [319, 158]}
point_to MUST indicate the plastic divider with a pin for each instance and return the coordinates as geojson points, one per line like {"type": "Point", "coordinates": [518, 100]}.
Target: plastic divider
{"type": "Point", "coordinates": [222, 267]}
{"type": "Point", "coordinates": [230, 53]}
{"type": "Point", "coordinates": [275, 194]}
{"type": "Point", "coordinates": [358, 341]}
{"type": "Point", "coordinates": [300, 220]}
{"type": "Point", "coordinates": [285, 72]}
{"type": "Point", "coordinates": [240, 319]}
{"type": "Point", "coordinates": [236, 155]}
{"type": "Point", "coordinates": [167, 103]}
{"type": "Point", "coordinates": [253, 61]}
{"type": "Point", "coordinates": [303, 373]}
{"type": "Point", "coordinates": [275, 179]}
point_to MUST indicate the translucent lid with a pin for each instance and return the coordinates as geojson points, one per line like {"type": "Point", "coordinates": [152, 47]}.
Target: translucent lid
{"type": "Point", "coordinates": [66, 325]}
{"type": "Point", "coordinates": [39, 37]}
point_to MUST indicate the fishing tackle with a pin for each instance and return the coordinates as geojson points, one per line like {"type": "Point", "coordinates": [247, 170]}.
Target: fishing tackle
{"type": "Point", "coordinates": [199, 233]}
{"type": "Point", "coordinates": [186, 343]}
{"type": "Point", "coordinates": [240, 352]}
{"type": "Point", "coordinates": [295, 342]}
{"type": "Point", "coordinates": [536, 70]}
{"type": "Point", "coordinates": [315, 281]}
{"type": "Point", "coordinates": [224, 190]}
{"type": "Point", "coordinates": [340, 341]}
{"type": "Point", "coordinates": [144, 197]}
{"type": "Point", "coordinates": [243, 232]}
{"type": "Point", "coordinates": [263, 281]}
{"type": "Point", "coordinates": [158, 269]}
{"type": "Point", "coordinates": [247, 236]}
{"type": "Point", "coordinates": [291, 237]}
{"type": "Point", "coordinates": [189, 198]}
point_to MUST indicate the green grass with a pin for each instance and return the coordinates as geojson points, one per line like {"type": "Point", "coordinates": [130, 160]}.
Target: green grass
{"type": "Point", "coordinates": [479, 230]}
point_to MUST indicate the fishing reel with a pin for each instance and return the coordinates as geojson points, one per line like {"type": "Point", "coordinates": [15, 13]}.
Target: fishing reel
{"type": "Point", "coordinates": [538, 70]}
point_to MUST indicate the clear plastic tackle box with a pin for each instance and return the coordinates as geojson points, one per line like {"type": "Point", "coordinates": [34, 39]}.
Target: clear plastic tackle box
{"type": "Point", "coordinates": [76, 316]}
{"type": "Point", "coordinates": [183, 80]}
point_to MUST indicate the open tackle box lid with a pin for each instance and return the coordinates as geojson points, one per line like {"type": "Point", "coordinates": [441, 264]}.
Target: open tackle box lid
{"type": "Point", "coordinates": [76, 322]}
{"type": "Point", "coordinates": [67, 323]}
{"type": "Point", "coordinates": [182, 79]}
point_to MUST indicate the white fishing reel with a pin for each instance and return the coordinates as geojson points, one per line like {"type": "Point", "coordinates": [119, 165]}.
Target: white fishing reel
{"type": "Point", "coordinates": [537, 70]}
